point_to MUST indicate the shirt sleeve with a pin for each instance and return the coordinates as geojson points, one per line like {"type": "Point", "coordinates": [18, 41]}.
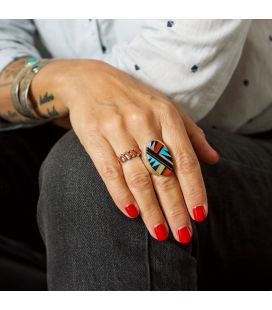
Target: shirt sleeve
{"type": "Point", "coordinates": [16, 40]}
{"type": "Point", "coordinates": [191, 61]}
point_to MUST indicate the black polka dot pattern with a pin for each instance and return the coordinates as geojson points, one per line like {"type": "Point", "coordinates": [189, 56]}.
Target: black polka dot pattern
{"type": "Point", "coordinates": [194, 68]}
{"type": "Point", "coordinates": [246, 82]}
{"type": "Point", "coordinates": [170, 23]}
{"type": "Point", "coordinates": [104, 49]}
{"type": "Point", "coordinates": [137, 67]}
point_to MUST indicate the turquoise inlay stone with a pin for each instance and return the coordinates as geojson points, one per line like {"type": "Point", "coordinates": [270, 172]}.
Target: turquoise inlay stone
{"type": "Point", "coordinates": [35, 67]}
{"type": "Point", "coordinates": [31, 59]}
{"type": "Point", "coordinates": [153, 161]}
{"type": "Point", "coordinates": [164, 151]}
{"type": "Point", "coordinates": [158, 158]}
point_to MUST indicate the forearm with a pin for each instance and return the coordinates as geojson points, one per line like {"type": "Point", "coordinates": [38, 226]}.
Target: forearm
{"type": "Point", "coordinates": [42, 95]}
{"type": "Point", "coordinates": [7, 110]}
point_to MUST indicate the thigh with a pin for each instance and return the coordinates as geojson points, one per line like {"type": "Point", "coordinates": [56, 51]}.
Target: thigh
{"type": "Point", "coordinates": [21, 154]}
{"type": "Point", "coordinates": [90, 244]}
{"type": "Point", "coordinates": [235, 242]}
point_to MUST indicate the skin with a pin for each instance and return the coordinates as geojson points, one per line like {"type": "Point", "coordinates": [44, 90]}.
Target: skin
{"type": "Point", "coordinates": [111, 112]}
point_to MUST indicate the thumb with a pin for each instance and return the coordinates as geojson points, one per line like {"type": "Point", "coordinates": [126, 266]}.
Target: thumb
{"type": "Point", "coordinates": [203, 149]}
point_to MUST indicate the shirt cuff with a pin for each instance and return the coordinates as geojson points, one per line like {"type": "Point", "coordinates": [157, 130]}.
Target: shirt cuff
{"type": "Point", "coordinates": [9, 55]}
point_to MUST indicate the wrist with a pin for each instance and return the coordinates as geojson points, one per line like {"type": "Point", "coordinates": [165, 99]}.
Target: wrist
{"type": "Point", "coordinates": [65, 80]}
{"type": "Point", "coordinates": [76, 76]}
{"type": "Point", "coordinates": [45, 92]}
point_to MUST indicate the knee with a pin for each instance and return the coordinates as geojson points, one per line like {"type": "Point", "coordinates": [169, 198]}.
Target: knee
{"type": "Point", "coordinates": [73, 197]}
{"type": "Point", "coordinates": [89, 241]}
{"type": "Point", "coordinates": [66, 162]}
{"type": "Point", "coordinates": [72, 192]}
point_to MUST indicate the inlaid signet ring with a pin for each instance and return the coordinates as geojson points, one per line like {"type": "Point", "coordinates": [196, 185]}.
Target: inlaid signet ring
{"type": "Point", "coordinates": [157, 158]}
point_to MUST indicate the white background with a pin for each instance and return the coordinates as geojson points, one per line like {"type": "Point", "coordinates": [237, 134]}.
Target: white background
{"type": "Point", "coordinates": [136, 300]}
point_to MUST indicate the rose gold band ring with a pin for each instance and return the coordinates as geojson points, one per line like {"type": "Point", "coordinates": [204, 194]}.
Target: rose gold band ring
{"type": "Point", "coordinates": [129, 155]}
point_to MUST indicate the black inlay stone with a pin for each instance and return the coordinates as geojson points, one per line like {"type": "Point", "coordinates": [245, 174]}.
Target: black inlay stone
{"type": "Point", "coordinates": [159, 158]}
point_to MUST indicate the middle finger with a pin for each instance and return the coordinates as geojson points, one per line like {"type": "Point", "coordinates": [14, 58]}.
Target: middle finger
{"type": "Point", "coordinates": [167, 188]}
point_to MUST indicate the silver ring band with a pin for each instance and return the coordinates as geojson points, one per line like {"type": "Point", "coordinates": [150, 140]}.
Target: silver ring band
{"type": "Point", "coordinates": [129, 155]}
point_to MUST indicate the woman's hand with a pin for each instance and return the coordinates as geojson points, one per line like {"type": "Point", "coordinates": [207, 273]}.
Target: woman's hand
{"type": "Point", "coordinates": [111, 113]}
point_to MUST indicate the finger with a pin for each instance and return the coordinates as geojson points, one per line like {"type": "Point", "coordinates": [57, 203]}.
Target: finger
{"type": "Point", "coordinates": [186, 165]}
{"type": "Point", "coordinates": [171, 200]}
{"type": "Point", "coordinates": [140, 184]}
{"type": "Point", "coordinates": [202, 148]}
{"type": "Point", "coordinates": [167, 189]}
{"type": "Point", "coordinates": [111, 173]}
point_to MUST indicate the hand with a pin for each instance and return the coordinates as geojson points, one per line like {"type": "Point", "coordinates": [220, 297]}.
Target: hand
{"type": "Point", "coordinates": [111, 112]}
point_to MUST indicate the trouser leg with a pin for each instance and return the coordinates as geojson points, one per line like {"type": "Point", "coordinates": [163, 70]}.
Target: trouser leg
{"type": "Point", "coordinates": [22, 152]}
{"type": "Point", "coordinates": [90, 244]}
{"type": "Point", "coordinates": [235, 241]}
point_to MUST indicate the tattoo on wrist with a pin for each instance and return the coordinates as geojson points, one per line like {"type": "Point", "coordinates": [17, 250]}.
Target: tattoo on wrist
{"type": "Point", "coordinates": [46, 98]}
{"type": "Point", "coordinates": [9, 73]}
{"type": "Point", "coordinates": [53, 113]}
{"type": "Point", "coordinates": [9, 116]}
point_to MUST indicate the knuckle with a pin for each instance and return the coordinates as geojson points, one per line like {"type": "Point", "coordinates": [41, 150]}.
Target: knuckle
{"type": "Point", "coordinates": [186, 162]}
{"type": "Point", "coordinates": [200, 131]}
{"type": "Point", "coordinates": [109, 172]}
{"type": "Point", "coordinates": [178, 212]}
{"type": "Point", "coordinates": [139, 181]}
{"type": "Point", "coordinates": [165, 183]}
{"type": "Point", "coordinates": [196, 132]}
{"type": "Point", "coordinates": [170, 117]}
{"type": "Point", "coordinates": [139, 117]}
{"type": "Point", "coordinates": [113, 123]}
{"type": "Point", "coordinates": [122, 198]}
{"type": "Point", "coordinates": [90, 128]}
{"type": "Point", "coordinates": [196, 195]}
{"type": "Point", "coordinates": [169, 110]}
{"type": "Point", "coordinates": [151, 215]}
{"type": "Point", "coordinates": [148, 97]}
{"type": "Point", "coordinates": [168, 107]}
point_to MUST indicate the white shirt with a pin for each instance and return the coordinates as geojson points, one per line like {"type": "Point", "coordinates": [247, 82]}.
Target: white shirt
{"type": "Point", "coordinates": [219, 71]}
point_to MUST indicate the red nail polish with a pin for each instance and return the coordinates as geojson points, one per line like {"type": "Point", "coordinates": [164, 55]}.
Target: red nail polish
{"type": "Point", "coordinates": [161, 232]}
{"type": "Point", "coordinates": [132, 211]}
{"type": "Point", "coordinates": [199, 213]}
{"type": "Point", "coordinates": [184, 234]}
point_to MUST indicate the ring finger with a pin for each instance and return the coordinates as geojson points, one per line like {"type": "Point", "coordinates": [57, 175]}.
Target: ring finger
{"type": "Point", "coordinates": [141, 186]}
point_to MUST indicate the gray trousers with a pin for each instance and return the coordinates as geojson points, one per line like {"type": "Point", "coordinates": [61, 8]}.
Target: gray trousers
{"type": "Point", "coordinates": [91, 245]}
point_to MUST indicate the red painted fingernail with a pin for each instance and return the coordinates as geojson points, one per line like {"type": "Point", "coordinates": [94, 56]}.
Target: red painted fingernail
{"type": "Point", "coordinates": [184, 234]}
{"type": "Point", "coordinates": [161, 232]}
{"type": "Point", "coordinates": [132, 211]}
{"type": "Point", "coordinates": [199, 213]}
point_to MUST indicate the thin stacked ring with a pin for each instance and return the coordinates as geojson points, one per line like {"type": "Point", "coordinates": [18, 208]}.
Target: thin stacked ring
{"type": "Point", "coordinates": [157, 159]}
{"type": "Point", "coordinates": [129, 155]}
